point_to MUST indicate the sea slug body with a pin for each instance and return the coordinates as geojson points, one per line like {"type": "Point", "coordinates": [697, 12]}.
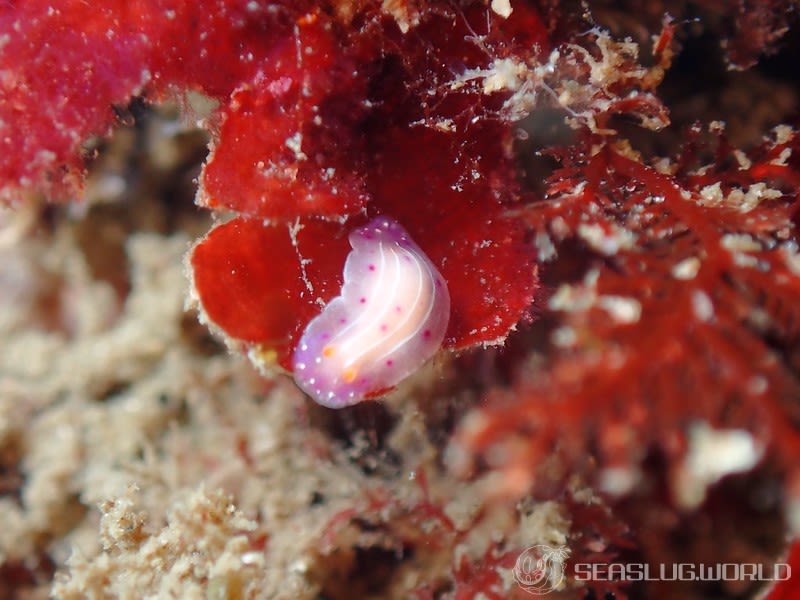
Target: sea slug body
{"type": "Point", "coordinates": [389, 319]}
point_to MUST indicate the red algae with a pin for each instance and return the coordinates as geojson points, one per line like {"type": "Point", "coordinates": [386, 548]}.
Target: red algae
{"type": "Point", "coordinates": [254, 297]}
{"type": "Point", "coordinates": [289, 145]}
{"type": "Point", "coordinates": [68, 82]}
{"type": "Point", "coordinates": [299, 144]}
{"type": "Point", "coordinates": [318, 119]}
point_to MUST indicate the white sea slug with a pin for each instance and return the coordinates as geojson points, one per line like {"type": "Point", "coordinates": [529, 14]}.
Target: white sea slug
{"type": "Point", "coordinates": [389, 319]}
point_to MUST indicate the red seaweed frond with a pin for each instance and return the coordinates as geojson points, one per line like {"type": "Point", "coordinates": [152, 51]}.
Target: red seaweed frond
{"type": "Point", "coordinates": [450, 561]}
{"type": "Point", "coordinates": [684, 313]}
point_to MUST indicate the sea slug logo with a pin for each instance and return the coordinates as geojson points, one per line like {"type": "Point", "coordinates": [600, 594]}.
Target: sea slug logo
{"type": "Point", "coordinates": [540, 569]}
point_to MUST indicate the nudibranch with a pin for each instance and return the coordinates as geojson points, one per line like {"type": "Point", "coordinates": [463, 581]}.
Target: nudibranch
{"type": "Point", "coordinates": [389, 319]}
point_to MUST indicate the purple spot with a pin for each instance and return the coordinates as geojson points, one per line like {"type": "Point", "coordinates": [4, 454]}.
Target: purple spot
{"type": "Point", "coordinates": [389, 363]}
{"type": "Point", "coordinates": [398, 308]}
{"type": "Point", "coordinates": [342, 321]}
{"type": "Point", "coordinates": [326, 336]}
{"type": "Point", "coordinates": [372, 267]}
{"type": "Point", "coordinates": [384, 327]}
{"type": "Point", "coordinates": [426, 334]}
{"type": "Point", "coordinates": [362, 300]}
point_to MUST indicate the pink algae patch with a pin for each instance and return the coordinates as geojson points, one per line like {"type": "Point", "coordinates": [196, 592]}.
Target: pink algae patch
{"type": "Point", "coordinates": [64, 66]}
{"type": "Point", "coordinates": [77, 62]}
